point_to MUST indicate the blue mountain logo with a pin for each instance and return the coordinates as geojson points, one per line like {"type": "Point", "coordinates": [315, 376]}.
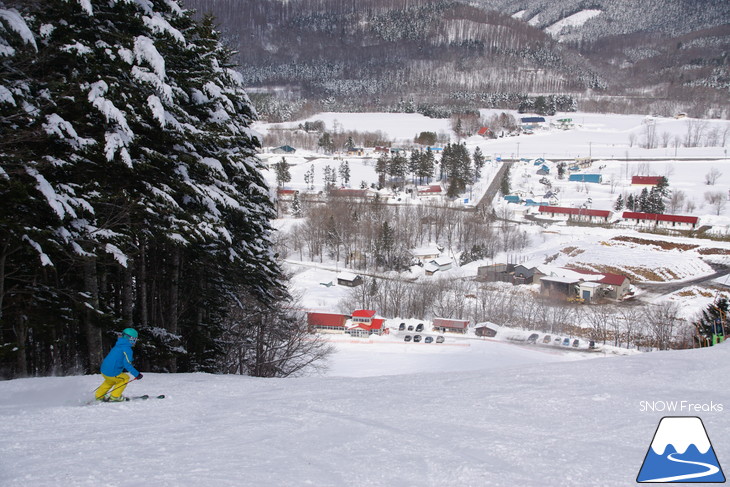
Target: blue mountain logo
{"type": "Point", "coordinates": [681, 452]}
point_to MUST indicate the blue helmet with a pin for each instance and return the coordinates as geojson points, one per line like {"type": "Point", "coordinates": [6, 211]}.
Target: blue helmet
{"type": "Point", "coordinates": [130, 334]}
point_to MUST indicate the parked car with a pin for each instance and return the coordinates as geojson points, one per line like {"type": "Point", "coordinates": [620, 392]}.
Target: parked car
{"type": "Point", "coordinates": [419, 327]}
{"type": "Point", "coordinates": [402, 327]}
{"type": "Point", "coordinates": [428, 339]}
{"type": "Point", "coordinates": [439, 339]}
{"type": "Point", "coordinates": [407, 338]}
{"type": "Point", "coordinates": [557, 341]}
{"type": "Point", "coordinates": [566, 342]}
{"type": "Point", "coordinates": [417, 338]}
{"type": "Point", "coordinates": [410, 327]}
{"type": "Point", "coordinates": [591, 344]}
{"type": "Point", "coordinates": [576, 342]}
{"type": "Point", "coordinates": [533, 338]}
{"type": "Point", "coordinates": [547, 339]}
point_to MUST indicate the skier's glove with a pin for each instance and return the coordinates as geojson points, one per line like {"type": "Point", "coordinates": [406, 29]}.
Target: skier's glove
{"type": "Point", "coordinates": [139, 377]}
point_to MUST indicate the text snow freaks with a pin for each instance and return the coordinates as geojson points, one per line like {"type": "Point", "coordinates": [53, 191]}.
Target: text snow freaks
{"type": "Point", "coordinates": [679, 407]}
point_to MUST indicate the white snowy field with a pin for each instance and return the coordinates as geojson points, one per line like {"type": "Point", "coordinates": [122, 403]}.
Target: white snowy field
{"type": "Point", "coordinates": [524, 418]}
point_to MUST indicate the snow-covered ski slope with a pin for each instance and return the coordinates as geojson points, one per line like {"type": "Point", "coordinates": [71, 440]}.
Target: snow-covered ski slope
{"type": "Point", "coordinates": [526, 418]}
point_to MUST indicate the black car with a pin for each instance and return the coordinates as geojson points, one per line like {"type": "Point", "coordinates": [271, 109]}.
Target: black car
{"type": "Point", "coordinates": [532, 338]}
{"type": "Point", "coordinates": [428, 339]}
{"type": "Point", "coordinates": [402, 327]}
{"type": "Point", "coordinates": [576, 343]}
{"type": "Point", "coordinates": [419, 327]}
{"type": "Point", "coordinates": [410, 327]}
{"type": "Point", "coordinates": [417, 338]}
{"type": "Point", "coordinates": [407, 338]}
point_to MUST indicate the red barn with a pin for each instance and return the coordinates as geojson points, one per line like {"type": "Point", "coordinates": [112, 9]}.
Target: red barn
{"type": "Point", "coordinates": [646, 180]}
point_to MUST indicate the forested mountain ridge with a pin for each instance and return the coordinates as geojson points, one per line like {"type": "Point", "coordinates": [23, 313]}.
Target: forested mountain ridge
{"type": "Point", "coordinates": [437, 56]}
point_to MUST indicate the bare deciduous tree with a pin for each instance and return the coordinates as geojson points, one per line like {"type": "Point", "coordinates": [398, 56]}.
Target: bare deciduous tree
{"type": "Point", "coordinates": [712, 176]}
{"type": "Point", "coordinates": [661, 321]}
{"type": "Point", "coordinates": [717, 200]}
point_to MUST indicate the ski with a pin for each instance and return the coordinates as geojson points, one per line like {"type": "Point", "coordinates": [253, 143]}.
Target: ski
{"type": "Point", "coordinates": [146, 396]}
{"type": "Point", "coordinates": [132, 398]}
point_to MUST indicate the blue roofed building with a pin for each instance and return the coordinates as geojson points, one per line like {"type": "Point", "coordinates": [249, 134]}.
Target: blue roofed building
{"type": "Point", "coordinates": [586, 178]}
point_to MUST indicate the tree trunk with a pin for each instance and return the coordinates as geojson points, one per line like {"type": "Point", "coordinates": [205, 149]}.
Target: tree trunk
{"type": "Point", "coordinates": [173, 311]}
{"type": "Point", "coordinates": [143, 312]}
{"type": "Point", "coordinates": [21, 335]}
{"type": "Point", "coordinates": [128, 294]}
{"type": "Point", "coordinates": [92, 331]}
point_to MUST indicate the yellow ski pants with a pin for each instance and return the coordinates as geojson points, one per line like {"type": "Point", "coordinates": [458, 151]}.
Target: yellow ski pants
{"type": "Point", "coordinates": [118, 383]}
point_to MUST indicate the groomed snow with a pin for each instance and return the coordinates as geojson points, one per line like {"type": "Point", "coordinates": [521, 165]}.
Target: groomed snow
{"type": "Point", "coordinates": [523, 419]}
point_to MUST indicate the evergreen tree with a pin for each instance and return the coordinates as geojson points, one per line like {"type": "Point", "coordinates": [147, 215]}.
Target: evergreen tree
{"type": "Point", "coordinates": [141, 183]}
{"type": "Point", "coordinates": [479, 161]}
{"type": "Point", "coordinates": [631, 202]}
{"type": "Point", "coordinates": [643, 202]}
{"type": "Point", "coordinates": [713, 320]}
{"type": "Point", "coordinates": [326, 143]}
{"type": "Point", "coordinates": [344, 171]}
{"type": "Point", "coordinates": [619, 203]}
{"type": "Point", "coordinates": [283, 175]}
{"type": "Point", "coordinates": [349, 144]}
{"type": "Point", "coordinates": [381, 169]}
{"type": "Point", "coordinates": [426, 166]}
{"type": "Point", "coordinates": [296, 206]}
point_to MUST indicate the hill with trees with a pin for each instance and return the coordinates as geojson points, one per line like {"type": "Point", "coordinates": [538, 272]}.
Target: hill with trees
{"type": "Point", "coordinates": [441, 57]}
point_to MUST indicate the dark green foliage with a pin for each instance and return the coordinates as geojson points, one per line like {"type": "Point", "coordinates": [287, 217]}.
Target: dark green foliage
{"type": "Point", "coordinates": [131, 194]}
{"type": "Point", "coordinates": [712, 321]}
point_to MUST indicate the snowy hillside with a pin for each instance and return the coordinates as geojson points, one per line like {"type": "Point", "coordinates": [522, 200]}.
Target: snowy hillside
{"type": "Point", "coordinates": [525, 419]}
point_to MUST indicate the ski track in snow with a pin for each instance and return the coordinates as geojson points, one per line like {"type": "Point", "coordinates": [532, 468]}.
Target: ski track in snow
{"type": "Point", "coordinates": [523, 419]}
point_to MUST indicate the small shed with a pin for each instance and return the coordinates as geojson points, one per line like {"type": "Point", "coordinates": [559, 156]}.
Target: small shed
{"type": "Point", "coordinates": [485, 331]}
{"type": "Point", "coordinates": [446, 324]}
{"type": "Point", "coordinates": [349, 279]}
{"type": "Point", "coordinates": [525, 275]}
{"type": "Point", "coordinates": [485, 132]}
{"type": "Point", "coordinates": [495, 272]}
{"type": "Point", "coordinates": [589, 290]}
{"type": "Point", "coordinates": [426, 254]}
{"type": "Point", "coordinates": [558, 287]}
{"type": "Point", "coordinates": [284, 149]}
{"type": "Point", "coordinates": [437, 264]}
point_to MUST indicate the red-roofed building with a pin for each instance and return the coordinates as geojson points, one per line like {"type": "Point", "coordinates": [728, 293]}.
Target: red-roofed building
{"type": "Point", "coordinates": [614, 286]}
{"type": "Point", "coordinates": [286, 194]}
{"type": "Point", "coordinates": [432, 190]}
{"type": "Point", "coordinates": [327, 322]}
{"type": "Point", "coordinates": [445, 324]}
{"type": "Point", "coordinates": [578, 214]}
{"type": "Point", "coordinates": [677, 222]}
{"type": "Point", "coordinates": [362, 322]}
{"type": "Point", "coordinates": [646, 180]}
{"type": "Point", "coordinates": [485, 132]}
{"type": "Point", "coordinates": [352, 193]}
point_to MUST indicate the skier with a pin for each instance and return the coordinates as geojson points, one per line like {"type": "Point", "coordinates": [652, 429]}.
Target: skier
{"type": "Point", "coordinates": [112, 368]}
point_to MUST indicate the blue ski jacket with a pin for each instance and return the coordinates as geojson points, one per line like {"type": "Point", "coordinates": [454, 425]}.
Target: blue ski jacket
{"type": "Point", "coordinates": [119, 359]}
